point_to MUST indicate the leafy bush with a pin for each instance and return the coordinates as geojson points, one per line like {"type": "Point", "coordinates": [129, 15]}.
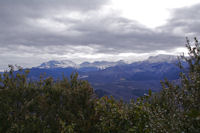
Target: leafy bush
{"type": "Point", "coordinates": [45, 106]}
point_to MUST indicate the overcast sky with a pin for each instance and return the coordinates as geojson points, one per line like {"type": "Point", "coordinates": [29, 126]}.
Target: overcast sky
{"type": "Point", "coordinates": [35, 31]}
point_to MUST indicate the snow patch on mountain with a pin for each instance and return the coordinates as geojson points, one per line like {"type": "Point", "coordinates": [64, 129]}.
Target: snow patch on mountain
{"type": "Point", "coordinates": [102, 64]}
{"type": "Point", "coordinates": [162, 58]}
{"type": "Point", "coordinates": [67, 63]}
{"type": "Point", "coordinates": [58, 64]}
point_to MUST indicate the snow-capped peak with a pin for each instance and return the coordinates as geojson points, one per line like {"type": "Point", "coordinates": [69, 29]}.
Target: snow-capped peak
{"type": "Point", "coordinates": [162, 58]}
{"type": "Point", "coordinates": [58, 64]}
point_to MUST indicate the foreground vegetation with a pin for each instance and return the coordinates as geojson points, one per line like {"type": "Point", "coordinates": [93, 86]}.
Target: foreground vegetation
{"type": "Point", "coordinates": [71, 106]}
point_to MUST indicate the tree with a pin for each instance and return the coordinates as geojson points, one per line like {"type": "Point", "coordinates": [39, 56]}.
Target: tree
{"type": "Point", "coordinates": [177, 107]}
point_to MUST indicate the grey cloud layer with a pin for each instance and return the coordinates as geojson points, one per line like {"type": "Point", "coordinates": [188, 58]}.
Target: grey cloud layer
{"type": "Point", "coordinates": [185, 21]}
{"type": "Point", "coordinates": [41, 5]}
{"type": "Point", "coordinates": [36, 23]}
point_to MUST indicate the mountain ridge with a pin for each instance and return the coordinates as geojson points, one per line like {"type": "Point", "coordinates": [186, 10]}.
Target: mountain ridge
{"type": "Point", "coordinates": [103, 64]}
{"type": "Point", "coordinates": [120, 79]}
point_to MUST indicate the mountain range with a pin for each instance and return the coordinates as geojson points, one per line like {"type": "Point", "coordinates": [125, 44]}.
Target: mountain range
{"type": "Point", "coordinates": [120, 79]}
{"type": "Point", "coordinates": [103, 64]}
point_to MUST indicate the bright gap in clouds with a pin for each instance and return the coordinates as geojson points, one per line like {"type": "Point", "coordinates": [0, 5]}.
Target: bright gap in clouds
{"type": "Point", "coordinates": [151, 13]}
